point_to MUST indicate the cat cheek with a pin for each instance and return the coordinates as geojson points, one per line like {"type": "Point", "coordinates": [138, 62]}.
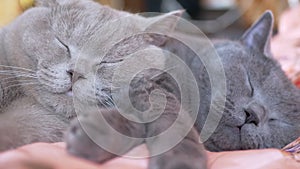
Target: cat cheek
{"type": "Point", "coordinates": [82, 90]}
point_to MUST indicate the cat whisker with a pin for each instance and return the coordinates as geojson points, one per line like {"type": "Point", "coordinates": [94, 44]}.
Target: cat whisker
{"type": "Point", "coordinates": [289, 101]}
{"type": "Point", "coordinates": [47, 82]}
{"type": "Point", "coordinates": [110, 102]}
{"type": "Point", "coordinates": [19, 76]}
{"type": "Point", "coordinates": [18, 68]}
{"type": "Point", "coordinates": [109, 98]}
{"type": "Point", "coordinates": [35, 89]}
{"type": "Point", "coordinates": [26, 81]}
{"type": "Point", "coordinates": [105, 105]}
{"type": "Point", "coordinates": [220, 108]}
{"type": "Point", "coordinates": [18, 81]}
{"type": "Point", "coordinates": [23, 84]}
{"type": "Point", "coordinates": [10, 72]}
{"type": "Point", "coordinates": [15, 73]}
{"type": "Point", "coordinates": [216, 108]}
{"type": "Point", "coordinates": [48, 73]}
{"type": "Point", "coordinates": [107, 102]}
{"type": "Point", "coordinates": [229, 102]}
{"type": "Point", "coordinates": [111, 87]}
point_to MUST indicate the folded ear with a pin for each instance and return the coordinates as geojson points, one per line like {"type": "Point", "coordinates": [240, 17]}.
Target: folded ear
{"type": "Point", "coordinates": [163, 25]}
{"type": "Point", "coordinates": [259, 35]}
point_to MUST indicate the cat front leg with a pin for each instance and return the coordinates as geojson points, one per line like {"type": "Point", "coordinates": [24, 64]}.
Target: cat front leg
{"type": "Point", "coordinates": [101, 135]}
{"type": "Point", "coordinates": [170, 148]}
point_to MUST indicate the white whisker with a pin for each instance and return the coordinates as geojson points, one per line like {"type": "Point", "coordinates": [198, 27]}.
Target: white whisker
{"type": "Point", "coordinates": [19, 76]}
{"type": "Point", "coordinates": [14, 73]}
{"type": "Point", "coordinates": [23, 84]}
{"type": "Point", "coordinates": [18, 81]}
{"type": "Point", "coordinates": [17, 68]}
{"type": "Point", "coordinates": [109, 100]}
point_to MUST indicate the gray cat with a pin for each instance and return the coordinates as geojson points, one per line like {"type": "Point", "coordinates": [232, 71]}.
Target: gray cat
{"type": "Point", "coordinates": [38, 56]}
{"type": "Point", "coordinates": [58, 59]}
{"type": "Point", "coordinates": [261, 109]}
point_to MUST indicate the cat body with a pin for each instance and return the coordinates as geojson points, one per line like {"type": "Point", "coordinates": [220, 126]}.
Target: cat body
{"type": "Point", "coordinates": [255, 102]}
{"type": "Point", "coordinates": [23, 118]}
{"type": "Point", "coordinates": [42, 83]}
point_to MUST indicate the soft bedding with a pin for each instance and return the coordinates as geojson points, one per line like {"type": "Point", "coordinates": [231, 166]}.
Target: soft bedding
{"type": "Point", "coordinates": [46, 156]}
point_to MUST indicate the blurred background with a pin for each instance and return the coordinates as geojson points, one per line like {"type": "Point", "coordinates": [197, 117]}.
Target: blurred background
{"type": "Point", "coordinates": [217, 18]}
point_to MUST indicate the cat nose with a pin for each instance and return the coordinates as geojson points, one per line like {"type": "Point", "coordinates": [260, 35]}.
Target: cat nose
{"type": "Point", "coordinates": [255, 113]}
{"type": "Point", "coordinates": [75, 76]}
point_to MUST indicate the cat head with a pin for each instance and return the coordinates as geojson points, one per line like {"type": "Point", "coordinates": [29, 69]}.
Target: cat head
{"type": "Point", "coordinates": [263, 106]}
{"type": "Point", "coordinates": [73, 47]}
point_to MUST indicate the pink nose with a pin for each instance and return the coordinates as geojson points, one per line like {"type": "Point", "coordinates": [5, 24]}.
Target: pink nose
{"type": "Point", "coordinates": [75, 76]}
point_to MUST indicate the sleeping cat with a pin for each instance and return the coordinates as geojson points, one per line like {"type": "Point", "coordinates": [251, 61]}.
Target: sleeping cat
{"type": "Point", "coordinates": [58, 59]}
{"type": "Point", "coordinates": [56, 62]}
{"type": "Point", "coordinates": [261, 108]}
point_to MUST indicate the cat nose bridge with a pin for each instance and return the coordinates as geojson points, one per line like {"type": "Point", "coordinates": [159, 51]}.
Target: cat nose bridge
{"type": "Point", "coordinates": [78, 69]}
{"type": "Point", "coordinates": [255, 113]}
{"type": "Point", "coordinates": [75, 76]}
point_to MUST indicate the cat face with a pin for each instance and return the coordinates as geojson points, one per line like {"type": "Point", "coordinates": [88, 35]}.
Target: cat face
{"type": "Point", "coordinates": [262, 106]}
{"type": "Point", "coordinates": [74, 47]}
{"type": "Point", "coordinates": [52, 40]}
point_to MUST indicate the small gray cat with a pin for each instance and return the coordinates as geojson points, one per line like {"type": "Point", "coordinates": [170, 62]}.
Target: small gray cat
{"type": "Point", "coordinates": [57, 60]}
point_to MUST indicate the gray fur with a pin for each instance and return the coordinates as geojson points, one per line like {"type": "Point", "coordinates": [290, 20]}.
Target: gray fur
{"type": "Point", "coordinates": [262, 109]}
{"type": "Point", "coordinates": [65, 52]}
{"type": "Point", "coordinates": [35, 68]}
{"type": "Point", "coordinates": [262, 105]}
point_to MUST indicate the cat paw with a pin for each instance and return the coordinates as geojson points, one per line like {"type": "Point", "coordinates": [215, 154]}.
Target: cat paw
{"type": "Point", "coordinates": [80, 144]}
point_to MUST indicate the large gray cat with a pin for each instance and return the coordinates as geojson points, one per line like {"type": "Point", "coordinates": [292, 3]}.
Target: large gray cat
{"type": "Point", "coordinates": [56, 58]}
{"type": "Point", "coordinates": [61, 56]}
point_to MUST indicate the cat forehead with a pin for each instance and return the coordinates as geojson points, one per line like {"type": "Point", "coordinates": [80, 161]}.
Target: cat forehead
{"type": "Point", "coordinates": [87, 16]}
{"type": "Point", "coordinates": [91, 24]}
{"type": "Point", "coordinates": [234, 53]}
{"type": "Point", "coordinates": [92, 19]}
{"type": "Point", "coordinates": [231, 49]}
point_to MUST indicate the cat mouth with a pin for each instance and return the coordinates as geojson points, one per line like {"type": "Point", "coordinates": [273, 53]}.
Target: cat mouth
{"type": "Point", "coordinates": [248, 137]}
{"type": "Point", "coordinates": [69, 93]}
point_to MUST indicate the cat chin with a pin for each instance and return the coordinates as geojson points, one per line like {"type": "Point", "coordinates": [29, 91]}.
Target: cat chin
{"type": "Point", "coordinates": [65, 97]}
{"type": "Point", "coordinates": [250, 139]}
{"type": "Point", "coordinates": [225, 138]}
{"type": "Point", "coordinates": [59, 103]}
{"type": "Point", "coordinates": [70, 93]}
{"type": "Point", "coordinates": [237, 138]}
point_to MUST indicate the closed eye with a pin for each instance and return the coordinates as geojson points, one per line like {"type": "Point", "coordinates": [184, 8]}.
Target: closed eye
{"type": "Point", "coordinates": [250, 86]}
{"type": "Point", "coordinates": [110, 63]}
{"type": "Point", "coordinates": [64, 45]}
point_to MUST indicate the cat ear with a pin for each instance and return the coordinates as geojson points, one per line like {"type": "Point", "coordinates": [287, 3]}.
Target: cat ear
{"type": "Point", "coordinates": [259, 35]}
{"type": "Point", "coordinates": [162, 25]}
